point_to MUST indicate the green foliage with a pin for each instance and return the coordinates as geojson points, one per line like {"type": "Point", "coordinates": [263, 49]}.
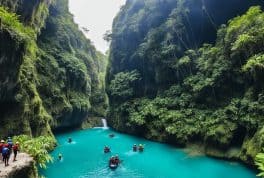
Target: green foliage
{"type": "Point", "coordinates": [245, 34]}
{"type": "Point", "coordinates": [37, 147]}
{"type": "Point", "coordinates": [70, 70]}
{"type": "Point", "coordinates": [122, 85]}
{"type": "Point", "coordinates": [254, 62]}
{"type": "Point", "coordinates": [10, 22]}
{"type": "Point", "coordinates": [50, 75]}
{"type": "Point", "coordinates": [260, 163]}
{"type": "Point", "coordinates": [189, 91]}
{"type": "Point", "coordinates": [255, 66]}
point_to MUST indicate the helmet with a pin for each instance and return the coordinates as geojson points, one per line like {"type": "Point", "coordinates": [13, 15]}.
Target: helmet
{"type": "Point", "coordinates": [2, 141]}
{"type": "Point", "coordinates": [17, 142]}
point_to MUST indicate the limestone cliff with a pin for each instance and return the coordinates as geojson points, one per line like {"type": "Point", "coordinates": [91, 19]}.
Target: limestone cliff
{"type": "Point", "coordinates": [190, 71]}
{"type": "Point", "coordinates": [49, 71]}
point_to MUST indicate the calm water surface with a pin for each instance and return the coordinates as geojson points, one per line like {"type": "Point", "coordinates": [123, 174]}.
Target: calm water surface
{"type": "Point", "coordinates": [84, 158]}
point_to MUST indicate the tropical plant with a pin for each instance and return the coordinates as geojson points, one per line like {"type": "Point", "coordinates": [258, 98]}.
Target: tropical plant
{"type": "Point", "coordinates": [38, 148]}
{"type": "Point", "coordinates": [260, 163]}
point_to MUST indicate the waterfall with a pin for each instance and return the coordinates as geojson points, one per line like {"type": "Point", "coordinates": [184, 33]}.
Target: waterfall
{"type": "Point", "coordinates": [104, 124]}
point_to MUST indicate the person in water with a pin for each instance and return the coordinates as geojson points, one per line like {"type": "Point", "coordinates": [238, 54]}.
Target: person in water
{"type": "Point", "coordinates": [111, 135]}
{"type": "Point", "coordinates": [140, 147]}
{"type": "Point", "coordinates": [134, 147]}
{"type": "Point", "coordinates": [107, 149]}
{"type": "Point", "coordinates": [15, 150]}
{"type": "Point", "coordinates": [60, 157]}
{"type": "Point", "coordinates": [69, 140]}
{"type": "Point", "coordinates": [116, 159]}
{"type": "Point", "coordinates": [112, 160]}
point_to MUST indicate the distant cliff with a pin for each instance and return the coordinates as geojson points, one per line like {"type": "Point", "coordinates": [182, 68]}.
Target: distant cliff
{"type": "Point", "coordinates": [50, 74]}
{"type": "Point", "coordinates": [190, 71]}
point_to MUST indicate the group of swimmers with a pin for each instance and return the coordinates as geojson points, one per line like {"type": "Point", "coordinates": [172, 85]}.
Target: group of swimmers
{"type": "Point", "coordinates": [6, 148]}
{"type": "Point", "coordinates": [139, 148]}
{"type": "Point", "coordinates": [135, 148]}
{"type": "Point", "coordinates": [114, 160]}
{"type": "Point", "coordinates": [60, 157]}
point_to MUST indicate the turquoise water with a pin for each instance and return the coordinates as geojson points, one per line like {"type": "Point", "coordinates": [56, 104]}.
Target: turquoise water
{"type": "Point", "coordinates": [84, 158]}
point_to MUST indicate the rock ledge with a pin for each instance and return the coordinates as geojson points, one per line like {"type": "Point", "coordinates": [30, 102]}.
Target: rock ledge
{"type": "Point", "coordinates": [24, 167]}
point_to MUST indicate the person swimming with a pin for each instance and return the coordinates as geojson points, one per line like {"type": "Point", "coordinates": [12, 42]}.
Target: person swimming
{"type": "Point", "coordinates": [140, 148]}
{"type": "Point", "coordinates": [111, 135]}
{"type": "Point", "coordinates": [69, 140]}
{"type": "Point", "coordinates": [107, 149]}
{"type": "Point", "coordinates": [112, 160]}
{"type": "Point", "coordinates": [116, 159]}
{"type": "Point", "coordinates": [134, 147]}
{"type": "Point", "coordinates": [60, 157]}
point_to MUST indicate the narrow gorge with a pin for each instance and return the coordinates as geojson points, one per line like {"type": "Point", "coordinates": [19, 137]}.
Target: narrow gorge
{"type": "Point", "coordinates": [187, 73]}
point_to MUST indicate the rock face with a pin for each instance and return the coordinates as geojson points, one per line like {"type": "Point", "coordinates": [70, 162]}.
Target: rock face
{"type": "Point", "coordinates": [24, 167]}
{"type": "Point", "coordinates": [177, 75]}
{"type": "Point", "coordinates": [49, 77]}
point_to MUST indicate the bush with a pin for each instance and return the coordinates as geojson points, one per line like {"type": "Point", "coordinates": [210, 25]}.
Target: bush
{"type": "Point", "coordinates": [38, 148]}
{"type": "Point", "coordinates": [260, 164]}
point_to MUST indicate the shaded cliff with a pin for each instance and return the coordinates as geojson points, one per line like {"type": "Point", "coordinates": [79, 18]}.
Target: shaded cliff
{"type": "Point", "coordinates": [69, 70]}
{"type": "Point", "coordinates": [177, 75]}
{"type": "Point", "coordinates": [49, 72]}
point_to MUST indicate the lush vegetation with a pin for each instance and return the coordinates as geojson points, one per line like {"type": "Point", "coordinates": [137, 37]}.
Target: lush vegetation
{"type": "Point", "coordinates": [171, 81]}
{"type": "Point", "coordinates": [260, 163]}
{"type": "Point", "coordinates": [38, 148]}
{"type": "Point", "coordinates": [18, 83]}
{"type": "Point", "coordinates": [49, 77]}
{"type": "Point", "coordinates": [70, 70]}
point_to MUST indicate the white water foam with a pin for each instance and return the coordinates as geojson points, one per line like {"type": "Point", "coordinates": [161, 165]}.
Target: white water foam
{"type": "Point", "coordinates": [104, 124]}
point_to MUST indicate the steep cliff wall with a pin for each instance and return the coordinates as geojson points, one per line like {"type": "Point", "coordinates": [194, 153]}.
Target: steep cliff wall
{"type": "Point", "coordinates": [69, 70]}
{"type": "Point", "coordinates": [49, 70]}
{"type": "Point", "coordinates": [177, 75]}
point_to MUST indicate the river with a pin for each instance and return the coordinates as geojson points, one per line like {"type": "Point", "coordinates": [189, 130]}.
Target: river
{"type": "Point", "coordinates": [84, 158]}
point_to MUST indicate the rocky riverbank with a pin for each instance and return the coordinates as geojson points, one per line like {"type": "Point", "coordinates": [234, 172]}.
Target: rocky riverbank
{"type": "Point", "coordinates": [24, 167]}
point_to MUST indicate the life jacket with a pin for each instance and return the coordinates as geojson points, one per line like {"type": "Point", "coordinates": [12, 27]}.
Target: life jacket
{"type": "Point", "coordinates": [5, 151]}
{"type": "Point", "coordinates": [1, 146]}
{"type": "Point", "coordinates": [15, 147]}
